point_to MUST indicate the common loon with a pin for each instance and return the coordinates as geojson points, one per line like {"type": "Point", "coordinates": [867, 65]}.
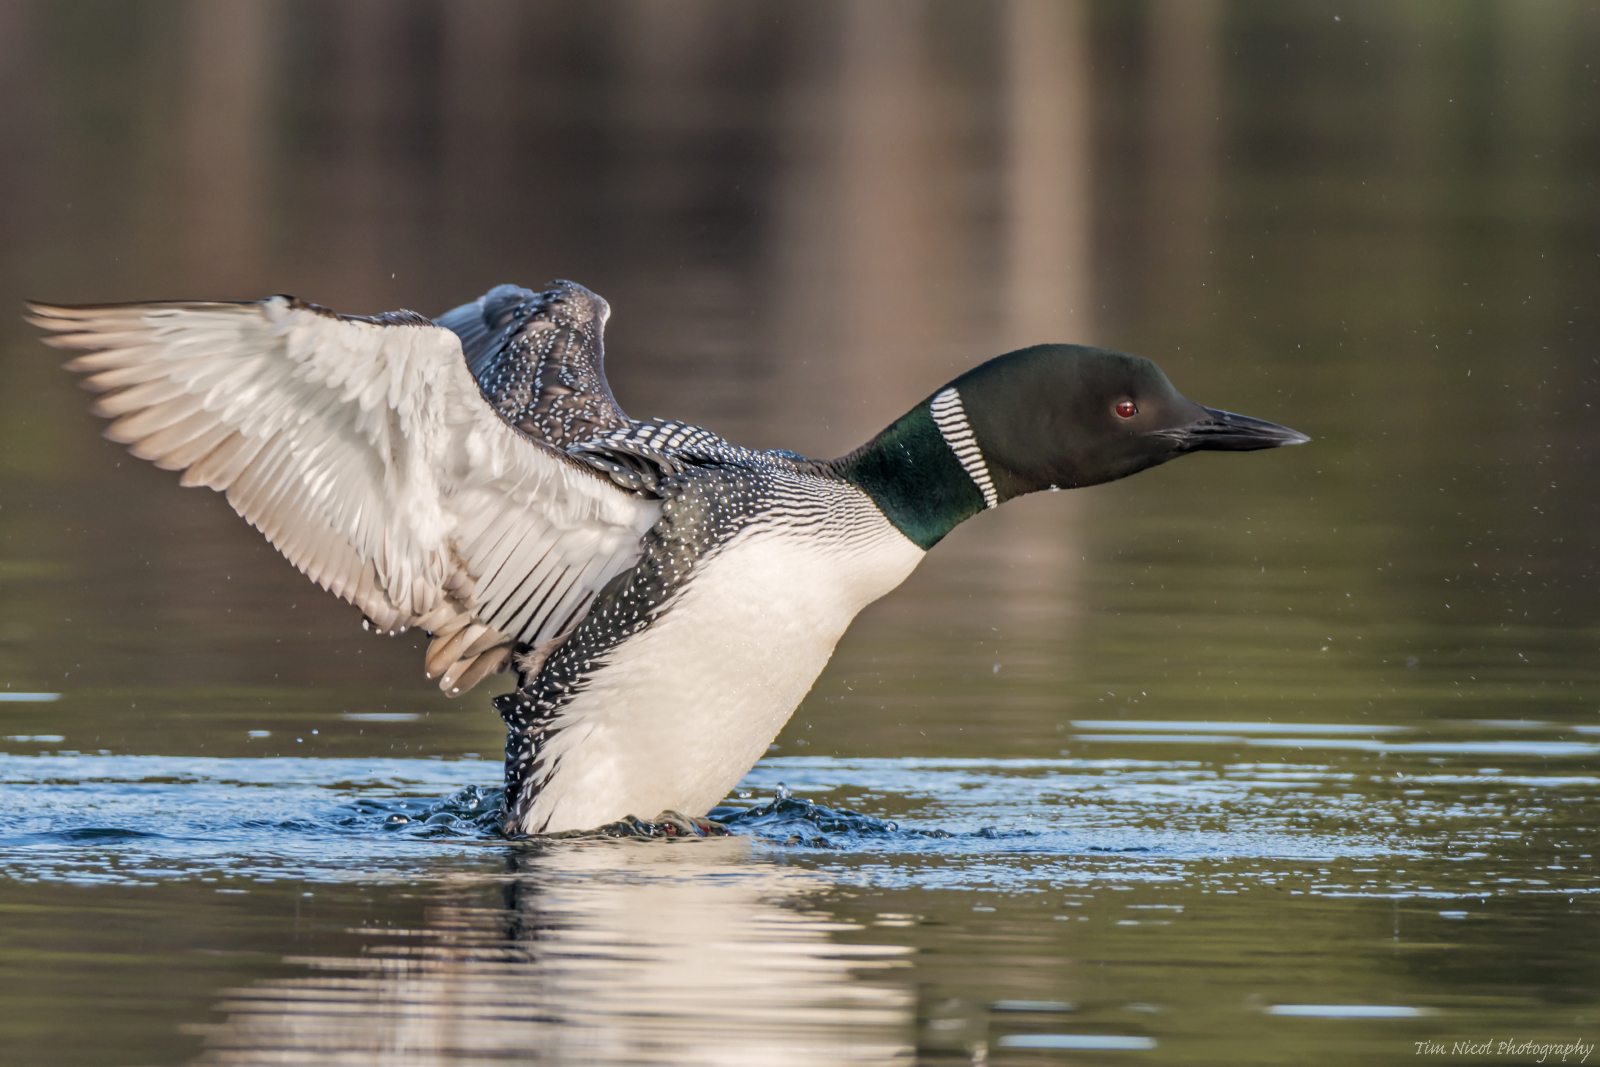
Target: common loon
{"type": "Point", "coordinates": [665, 598]}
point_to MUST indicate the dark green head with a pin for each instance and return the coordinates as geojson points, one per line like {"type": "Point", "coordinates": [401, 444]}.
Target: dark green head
{"type": "Point", "coordinates": [1051, 416]}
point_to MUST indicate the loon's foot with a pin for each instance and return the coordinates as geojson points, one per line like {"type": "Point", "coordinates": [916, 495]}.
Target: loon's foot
{"type": "Point", "coordinates": [698, 825]}
{"type": "Point", "coordinates": [667, 824]}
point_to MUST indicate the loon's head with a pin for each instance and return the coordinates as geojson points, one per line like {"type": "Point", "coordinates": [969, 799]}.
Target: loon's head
{"type": "Point", "coordinates": [1067, 416]}
{"type": "Point", "coordinates": [1046, 417]}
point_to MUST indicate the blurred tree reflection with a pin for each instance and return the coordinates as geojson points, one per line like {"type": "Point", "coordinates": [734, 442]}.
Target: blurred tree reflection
{"type": "Point", "coordinates": [808, 215]}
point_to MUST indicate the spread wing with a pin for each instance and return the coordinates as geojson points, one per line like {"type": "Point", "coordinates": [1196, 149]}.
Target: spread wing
{"type": "Point", "coordinates": [538, 358]}
{"type": "Point", "coordinates": [364, 451]}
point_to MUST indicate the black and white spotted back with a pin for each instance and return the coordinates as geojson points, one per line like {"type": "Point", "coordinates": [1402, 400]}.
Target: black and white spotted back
{"type": "Point", "coordinates": [539, 360]}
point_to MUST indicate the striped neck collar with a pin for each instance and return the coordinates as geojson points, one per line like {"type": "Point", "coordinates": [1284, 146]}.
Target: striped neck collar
{"type": "Point", "coordinates": [951, 418]}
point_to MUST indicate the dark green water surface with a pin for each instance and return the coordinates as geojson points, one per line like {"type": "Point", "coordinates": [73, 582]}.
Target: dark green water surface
{"type": "Point", "coordinates": [1288, 757]}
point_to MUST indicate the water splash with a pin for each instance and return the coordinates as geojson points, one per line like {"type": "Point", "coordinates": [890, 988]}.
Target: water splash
{"type": "Point", "coordinates": [790, 820]}
{"type": "Point", "coordinates": [473, 811]}
{"type": "Point", "coordinates": [1325, 825]}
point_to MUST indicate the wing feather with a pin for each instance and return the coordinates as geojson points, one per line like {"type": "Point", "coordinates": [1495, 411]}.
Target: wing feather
{"type": "Point", "coordinates": [364, 450]}
{"type": "Point", "coordinates": [521, 564]}
{"type": "Point", "coordinates": [217, 468]}
{"type": "Point", "coordinates": [157, 446]}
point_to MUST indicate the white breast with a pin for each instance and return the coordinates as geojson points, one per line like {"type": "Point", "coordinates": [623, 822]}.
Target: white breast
{"type": "Point", "coordinates": [682, 711]}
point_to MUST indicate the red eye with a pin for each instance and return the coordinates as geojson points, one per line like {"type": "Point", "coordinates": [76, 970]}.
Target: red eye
{"type": "Point", "coordinates": [1126, 409]}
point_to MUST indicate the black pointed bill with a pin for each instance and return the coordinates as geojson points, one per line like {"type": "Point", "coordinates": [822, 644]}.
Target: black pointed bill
{"type": "Point", "coordinates": [1224, 431]}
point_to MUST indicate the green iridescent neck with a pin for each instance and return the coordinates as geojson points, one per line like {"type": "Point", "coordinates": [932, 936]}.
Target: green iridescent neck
{"type": "Point", "coordinates": [915, 479]}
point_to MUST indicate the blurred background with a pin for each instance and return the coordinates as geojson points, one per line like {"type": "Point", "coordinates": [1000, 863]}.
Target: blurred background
{"type": "Point", "coordinates": [1375, 222]}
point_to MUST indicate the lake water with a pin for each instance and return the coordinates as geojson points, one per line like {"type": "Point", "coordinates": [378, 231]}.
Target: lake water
{"type": "Point", "coordinates": [1273, 758]}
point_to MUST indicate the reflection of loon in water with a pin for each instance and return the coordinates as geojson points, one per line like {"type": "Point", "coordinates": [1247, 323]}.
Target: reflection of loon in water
{"type": "Point", "coordinates": [665, 597]}
{"type": "Point", "coordinates": [598, 955]}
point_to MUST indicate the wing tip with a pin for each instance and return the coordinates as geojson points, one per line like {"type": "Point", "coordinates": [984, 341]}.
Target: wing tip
{"type": "Point", "coordinates": [467, 672]}
{"type": "Point", "coordinates": [48, 316]}
{"type": "Point", "coordinates": [59, 317]}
